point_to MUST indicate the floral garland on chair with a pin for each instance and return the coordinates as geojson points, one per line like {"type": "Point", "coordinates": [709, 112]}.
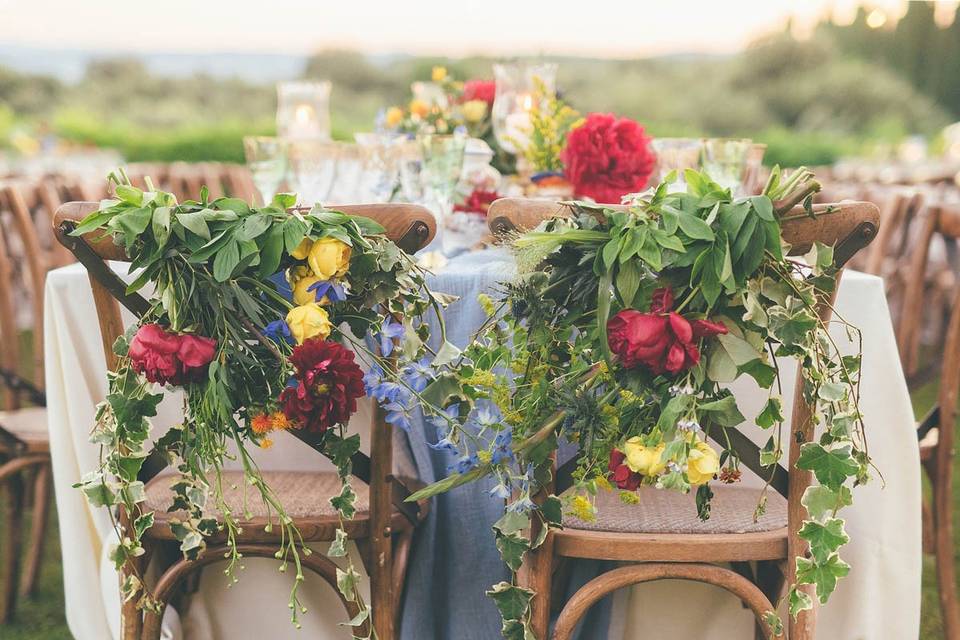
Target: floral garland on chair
{"type": "Point", "coordinates": [249, 360]}
{"type": "Point", "coordinates": [620, 336]}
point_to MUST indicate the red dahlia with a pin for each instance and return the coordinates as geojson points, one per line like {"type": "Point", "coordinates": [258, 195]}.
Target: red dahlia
{"type": "Point", "coordinates": [606, 158]}
{"type": "Point", "coordinates": [328, 383]}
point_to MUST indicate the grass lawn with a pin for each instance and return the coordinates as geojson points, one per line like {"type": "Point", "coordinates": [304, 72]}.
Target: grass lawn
{"type": "Point", "coordinates": [42, 618]}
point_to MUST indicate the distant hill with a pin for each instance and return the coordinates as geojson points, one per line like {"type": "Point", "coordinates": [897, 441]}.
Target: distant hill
{"type": "Point", "coordinates": [69, 64]}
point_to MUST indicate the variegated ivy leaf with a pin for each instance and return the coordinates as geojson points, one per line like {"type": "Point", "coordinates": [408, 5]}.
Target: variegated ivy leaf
{"type": "Point", "coordinates": [338, 548]}
{"type": "Point", "coordinates": [823, 574]}
{"type": "Point", "coordinates": [799, 601]}
{"type": "Point", "coordinates": [771, 414]}
{"type": "Point", "coordinates": [824, 538]}
{"type": "Point", "coordinates": [831, 466]}
{"type": "Point", "coordinates": [347, 581]}
{"type": "Point", "coordinates": [344, 503]}
{"type": "Point", "coordinates": [821, 501]}
{"type": "Point", "coordinates": [773, 622]}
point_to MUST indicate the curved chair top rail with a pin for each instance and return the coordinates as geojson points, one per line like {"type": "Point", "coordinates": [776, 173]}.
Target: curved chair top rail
{"type": "Point", "coordinates": [848, 226]}
{"type": "Point", "coordinates": [410, 226]}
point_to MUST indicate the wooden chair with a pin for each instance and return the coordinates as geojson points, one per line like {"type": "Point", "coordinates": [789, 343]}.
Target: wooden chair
{"type": "Point", "coordinates": [935, 432]}
{"type": "Point", "coordinates": [663, 531]}
{"type": "Point", "coordinates": [24, 439]}
{"type": "Point", "coordinates": [384, 523]}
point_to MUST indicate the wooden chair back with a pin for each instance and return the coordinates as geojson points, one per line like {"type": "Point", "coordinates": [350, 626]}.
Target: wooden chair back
{"type": "Point", "coordinates": [848, 227]}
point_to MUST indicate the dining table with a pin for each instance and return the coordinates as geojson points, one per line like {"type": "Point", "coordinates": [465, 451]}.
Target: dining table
{"type": "Point", "coordinates": [454, 559]}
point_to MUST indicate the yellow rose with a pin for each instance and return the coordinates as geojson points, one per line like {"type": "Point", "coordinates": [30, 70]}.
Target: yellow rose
{"type": "Point", "coordinates": [303, 249]}
{"type": "Point", "coordinates": [702, 463]}
{"type": "Point", "coordinates": [394, 116]}
{"type": "Point", "coordinates": [309, 321]}
{"type": "Point", "coordinates": [329, 258]}
{"type": "Point", "coordinates": [419, 108]}
{"type": "Point", "coordinates": [647, 461]}
{"type": "Point", "coordinates": [439, 74]}
{"type": "Point", "coordinates": [474, 110]}
{"type": "Point", "coordinates": [300, 294]}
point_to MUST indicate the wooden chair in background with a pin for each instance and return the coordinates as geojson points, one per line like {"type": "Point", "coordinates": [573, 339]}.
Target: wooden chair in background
{"type": "Point", "coordinates": [25, 472]}
{"type": "Point", "coordinates": [663, 532]}
{"type": "Point", "coordinates": [383, 526]}
{"type": "Point", "coordinates": [936, 430]}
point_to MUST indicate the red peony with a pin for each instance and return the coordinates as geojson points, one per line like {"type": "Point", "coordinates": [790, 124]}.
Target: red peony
{"type": "Point", "coordinates": [485, 90]}
{"type": "Point", "coordinates": [607, 158]}
{"type": "Point", "coordinates": [328, 383]}
{"type": "Point", "coordinates": [662, 340]}
{"type": "Point", "coordinates": [170, 358]}
{"type": "Point", "coordinates": [477, 202]}
{"type": "Point", "coordinates": [620, 474]}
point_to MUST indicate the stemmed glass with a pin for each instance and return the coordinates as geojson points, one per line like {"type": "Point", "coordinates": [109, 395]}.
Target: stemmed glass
{"type": "Point", "coordinates": [677, 154]}
{"type": "Point", "coordinates": [266, 160]}
{"type": "Point", "coordinates": [724, 160]}
{"type": "Point", "coordinates": [381, 166]}
{"type": "Point", "coordinates": [313, 169]}
{"type": "Point", "coordinates": [441, 169]}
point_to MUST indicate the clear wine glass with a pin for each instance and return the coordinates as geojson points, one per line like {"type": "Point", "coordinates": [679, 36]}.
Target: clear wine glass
{"type": "Point", "coordinates": [381, 166]}
{"type": "Point", "coordinates": [725, 159]}
{"type": "Point", "coordinates": [442, 166]}
{"type": "Point", "coordinates": [677, 154]}
{"type": "Point", "coordinates": [266, 160]}
{"type": "Point", "coordinates": [313, 169]}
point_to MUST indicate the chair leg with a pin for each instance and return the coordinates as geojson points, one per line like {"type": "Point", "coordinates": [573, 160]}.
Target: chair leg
{"type": "Point", "coordinates": [38, 530]}
{"type": "Point", "coordinates": [627, 576]}
{"type": "Point", "coordinates": [943, 551]}
{"type": "Point", "coordinates": [536, 573]}
{"type": "Point", "coordinates": [382, 598]}
{"type": "Point", "coordinates": [401, 558]}
{"type": "Point", "coordinates": [10, 548]}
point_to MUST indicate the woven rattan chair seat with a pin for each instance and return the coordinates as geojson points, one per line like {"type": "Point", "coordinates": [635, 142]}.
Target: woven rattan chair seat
{"type": "Point", "coordinates": [662, 511]}
{"type": "Point", "coordinates": [30, 426]}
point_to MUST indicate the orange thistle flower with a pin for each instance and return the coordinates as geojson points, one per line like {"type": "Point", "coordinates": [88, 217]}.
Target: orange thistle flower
{"type": "Point", "coordinates": [279, 421]}
{"type": "Point", "coordinates": [261, 423]}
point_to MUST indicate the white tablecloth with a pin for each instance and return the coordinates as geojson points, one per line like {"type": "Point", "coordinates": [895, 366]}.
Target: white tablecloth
{"type": "Point", "coordinates": [879, 600]}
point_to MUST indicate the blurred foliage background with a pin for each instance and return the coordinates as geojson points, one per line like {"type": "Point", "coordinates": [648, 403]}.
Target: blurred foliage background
{"type": "Point", "coordinates": [847, 89]}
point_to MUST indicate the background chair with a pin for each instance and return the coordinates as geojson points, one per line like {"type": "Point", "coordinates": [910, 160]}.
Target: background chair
{"type": "Point", "coordinates": [383, 526]}
{"type": "Point", "coordinates": [663, 532]}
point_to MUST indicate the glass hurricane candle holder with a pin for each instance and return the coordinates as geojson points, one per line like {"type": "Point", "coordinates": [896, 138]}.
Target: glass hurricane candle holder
{"type": "Point", "coordinates": [303, 110]}
{"type": "Point", "coordinates": [517, 84]}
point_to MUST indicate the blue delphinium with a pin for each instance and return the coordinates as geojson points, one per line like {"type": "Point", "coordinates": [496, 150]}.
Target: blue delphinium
{"type": "Point", "coordinates": [442, 423]}
{"type": "Point", "coordinates": [464, 463]}
{"type": "Point", "coordinates": [502, 449]}
{"type": "Point", "coordinates": [278, 331]}
{"type": "Point", "coordinates": [392, 396]}
{"type": "Point", "coordinates": [333, 291]}
{"type": "Point", "coordinates": [418, 374]}
{"type": "Point", "coordinates": [486, 414]}
{"type": "Point", "coordinates": [388, 331]}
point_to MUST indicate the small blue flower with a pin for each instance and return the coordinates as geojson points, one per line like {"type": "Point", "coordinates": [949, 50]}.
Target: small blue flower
{"type": "Point", "coordinates": [445, 417]}
{"type": "Point", "coordinates": [486, 414]}
{"type": "Point", "coordinates": [444, 444]}
{"type": "Point", "coordinates": [464, 463]}
{"type": "Point", "coordinates": [502, 450]}
{"type": "Point", "coordinates": [418, 374]}
{"type": "Point", "coordinates": [333, 291]}
{"type": "Point", "coordinates": [279, 280]}
{"type": "Point", "coordinates": [500, 491]}
{"type": "Point", "coordinates": [399, 417]}
{"type": "Point", "coordinates": [522, 505]}
{"type": "Point", "coordinates": [388, 332]}
{"type": "Point", "coordinates": [278, 331]}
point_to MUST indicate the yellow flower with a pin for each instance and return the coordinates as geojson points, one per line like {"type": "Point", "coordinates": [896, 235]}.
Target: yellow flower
{"type": "Point", "coordinates": [300, 294]}
{"type": "Point", "coordinates": [303, 249]}
{"type": "Point", "coordinates": [582, 508]}
{"type": "Point", "coordinates": [702, 463]}
{"type": "Point", "coordinates": [329, 258]}
{"type": "Point", "coordinates": [266, 443]}
{"type": "Point", "coordinates": [603, 483]}
{"type": "Point", "coordinates": [474, 110]}
{"type": "Point", "coordinates": [394, 116]}
{"type": "Point", "coordinates": [419, 108]}
{"type": "Point", "coordinates": [279, 421]}
{"type": "Point", "coordinates": [439, 74]}
{"type": "Point", "coordinates": [647, 461]}
{"type": "Point", "coordinates": [309, 321]}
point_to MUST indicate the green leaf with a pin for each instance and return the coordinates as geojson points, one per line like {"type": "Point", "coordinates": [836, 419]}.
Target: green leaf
{"type": "Point", "coordinates": [824, 538]}
{"type": "Point", "coordinates": [294, 231]}
{"type": "Point", "coordinates": [233, 204]}
{"type": "Point", "coordinates": [367, 226]}
{"type": "Point", "coordinates": [161, 225]}
{"type": "Point", "coordinates": [513, 602]}
{"type": "Point", "coordinates": [226, 261]}
{"type": "Point", "coordinates": [552, 511]}
{"type": "Point", "coordinates": [338, 548]}
{"type": "Point", "coordinates": [695, 228]}
{"type": "Point", "coordinates": [132, 223]}
{"type": "Point", "coordinates": [99, 494]}
{"type": "Point", "coordinates": [345, 502]}
{"type": "Point", "coordinates": [271, 252]}
{"type": "Point", "coordinates": [195, 223]}
{"type": "Point", "coordinates": [760, 371]}
{"type": "Point", "coordinates": [254, 225]}
{"type": "Point", "coordinates": [799, 601]}
{"type": "Point", "coordinates": [447, 353]}
{"type": "Point", "coordinates": [772, 413]}
{"type": "Point", "coordinates": [822, 574]}
{"type": "Point", "coordinates": [831, 466]}
{"type": "Point", "coordinates": [284, 201]}
{"type": "Point", "coordinates": [609, 253]}
{"type": "Point", "coordinates": [628, 281]}
{"type": "Point", "coordinates": [770, 453]}
{"type": "Point", "coordinates": [832, 391]}
{"type": "Point", "coordinates": [142, 523]}
{"type": "Point", "coordinates": [821, 501]}
{"type": "Point", "coordinates": [512, 547]}
{"type": "Point", "coordinates": [724, 411]}
{"type": "Point", "coordinates": [763, 206]}
{"type": "Point", "coordinates": [512, 522]}
{"type": "Point", "coordinates": [130, 195]}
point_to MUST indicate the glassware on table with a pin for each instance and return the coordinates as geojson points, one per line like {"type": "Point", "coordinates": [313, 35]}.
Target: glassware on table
{"type": "Point", "coordinates": [752, 171]}
{"type": "Point", "coordinates": [516, 85]}
{"type": "Point", "coordinates": [725, 159]}
{"type": "Point", "coordinates": [303, 110]}
{"type": "Point", "coordinates": [676, 154]}
{"type": "Point", "coordinates": [266, 160]}
{"type": "Point", "coordinates": [410, 158]}
{"type": "Point", "coordinates": [441, 169]}
{"type": "Point", "coordinates": [351, 163]}
{"type": "Point", "coordinates": [312, 169]}
{"type": "Point", "coordinates": [381, 166]}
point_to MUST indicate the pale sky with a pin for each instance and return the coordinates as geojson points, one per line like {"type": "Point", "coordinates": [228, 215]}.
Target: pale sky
{"type": "Point", "coordinates": [451, 27]}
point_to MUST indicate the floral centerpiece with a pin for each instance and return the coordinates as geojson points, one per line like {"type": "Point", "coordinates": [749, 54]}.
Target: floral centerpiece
{"type": "Point", "coordinates": [249, 360]}
{"type": "Point", "coordinates": [620, 336]}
